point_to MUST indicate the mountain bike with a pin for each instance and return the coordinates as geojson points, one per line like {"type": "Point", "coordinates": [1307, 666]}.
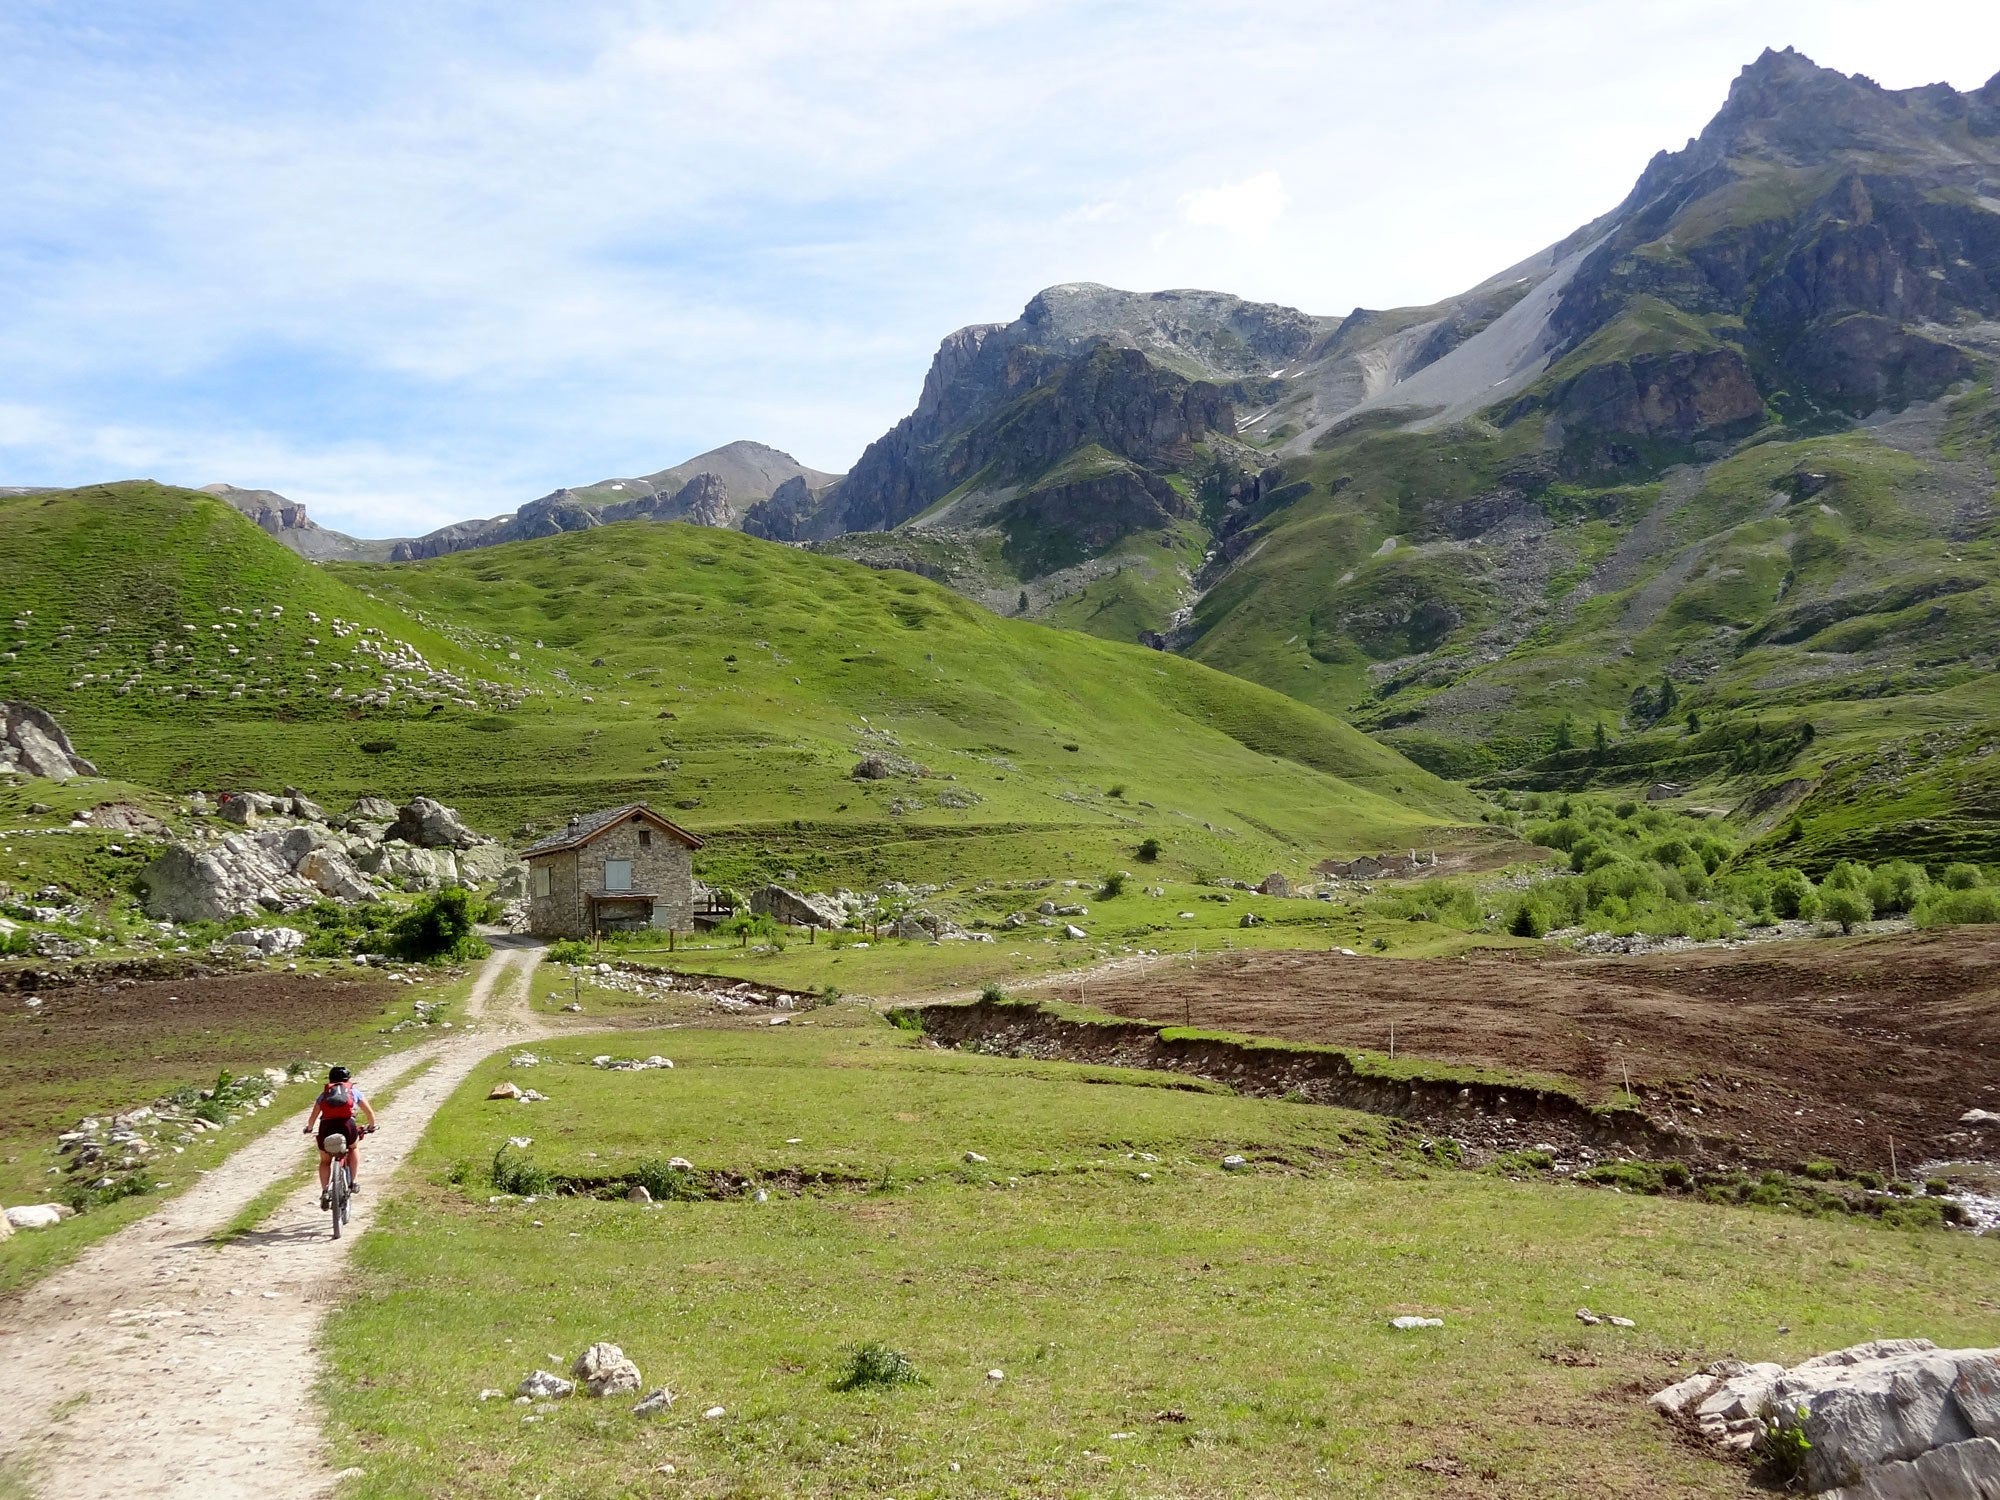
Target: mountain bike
{"type": "Point", "coordinates": [339, 1186]}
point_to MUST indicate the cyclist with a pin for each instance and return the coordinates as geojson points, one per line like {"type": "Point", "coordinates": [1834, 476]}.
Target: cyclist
{"type": "Point", "coordinates": [333, 1114]}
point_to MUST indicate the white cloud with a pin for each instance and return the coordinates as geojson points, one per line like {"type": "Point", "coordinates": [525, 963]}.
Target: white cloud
{"type": "Point", "coordinates": [1249, 209]}
{"type": "Point", "coordinates": [422, 260]}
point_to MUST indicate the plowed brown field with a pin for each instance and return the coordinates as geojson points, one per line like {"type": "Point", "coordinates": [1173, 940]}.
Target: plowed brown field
{"type": "Point", "coordinates": [1828, 1048]}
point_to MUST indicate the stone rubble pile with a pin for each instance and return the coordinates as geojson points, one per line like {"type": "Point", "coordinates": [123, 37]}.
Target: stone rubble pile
{"type": "Point", "coordinates": [289, 854]}
{"type": "Point", "coordinates": [101, 1151]}
{"type": "Point", "coordinates": [1894, 1419]}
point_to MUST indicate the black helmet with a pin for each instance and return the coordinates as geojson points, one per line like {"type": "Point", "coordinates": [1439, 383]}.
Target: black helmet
{"type": "Point", "coordinates": [337, 1074]}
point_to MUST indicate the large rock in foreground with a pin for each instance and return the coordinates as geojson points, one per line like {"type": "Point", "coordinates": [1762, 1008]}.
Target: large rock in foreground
{"type": "Point", "coordinates": [1896, 1419]}
{"type": "Point", "coordinates": [33, 743]}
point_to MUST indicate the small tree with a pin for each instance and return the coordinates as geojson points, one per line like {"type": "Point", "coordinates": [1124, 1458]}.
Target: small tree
{"type": "Point", "coordinates": [439, 928]}
{"type": "Point", "coordinates": [1847, 907]}
{"type": "Point", "coordinates": [1565, 735]}
{"type": "Point", "coordinates": [1530, 921]}
{"type": "Point", "coordinates": [1600, 739]}
{"type": "Point", "coordinates": [1021, 606]}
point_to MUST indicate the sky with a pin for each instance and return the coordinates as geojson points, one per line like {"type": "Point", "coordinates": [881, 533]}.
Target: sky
{"type": "Point", "coordinates": [409, 264]}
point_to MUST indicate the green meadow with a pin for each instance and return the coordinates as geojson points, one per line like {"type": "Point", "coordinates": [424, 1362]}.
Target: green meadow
{"type": "Point", "coordinates": [1161, 1327]}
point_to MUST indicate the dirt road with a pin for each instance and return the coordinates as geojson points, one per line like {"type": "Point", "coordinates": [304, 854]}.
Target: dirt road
{"type": "Point", "coordinates": [162, 1364]}
{"type": "Point", "coordinates": [1830, 1047]}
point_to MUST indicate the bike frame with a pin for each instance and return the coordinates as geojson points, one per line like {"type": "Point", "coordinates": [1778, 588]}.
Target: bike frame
{"type": "Point", "coordinates": [337, 1181]}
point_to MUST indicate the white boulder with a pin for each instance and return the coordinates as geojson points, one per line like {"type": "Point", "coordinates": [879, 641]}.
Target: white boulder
{"type": "Point", "coordinates": [1895, 1419]}
{"type": "Point", "coordinates": [542, 1386]}
{"type": "Point", "coordinates": [604, 1370]}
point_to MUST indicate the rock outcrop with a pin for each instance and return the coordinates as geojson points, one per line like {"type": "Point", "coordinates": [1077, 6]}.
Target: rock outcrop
{"type": "Point", "coordinates": [33, 744]}
{"type": "Point", "coordinates": [1895, 1419]}
{"type": "Point", "coordinates": [281, 866]}
{"type": "Point", "coordinates": [429, 824]}
{"type": "Point", "coordinates": [237, 876]}
{"type": "Point", "coordinates": [797, 909]}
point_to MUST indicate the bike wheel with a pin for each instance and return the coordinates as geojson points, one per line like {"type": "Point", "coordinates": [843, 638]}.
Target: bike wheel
{"type": "Point", "coordinates": [337, 1186]}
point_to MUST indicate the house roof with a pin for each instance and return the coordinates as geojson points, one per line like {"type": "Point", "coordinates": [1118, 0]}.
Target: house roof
{"type": "Point", "coordinates": [581, 830]}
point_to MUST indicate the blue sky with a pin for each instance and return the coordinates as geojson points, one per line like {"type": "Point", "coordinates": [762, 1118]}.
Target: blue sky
{"type": "Point", "coordinates": [413, 263]}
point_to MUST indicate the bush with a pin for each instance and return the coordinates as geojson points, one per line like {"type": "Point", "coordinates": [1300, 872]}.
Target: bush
{"type": "Point", "coordinates": [1113, 887]}
{"type": "Point", "coordinates": [439, 929]}
{"type": "Point", "coordinates": [1149, 850]}
{"type": "Point", "coordinates": [514, 1173]}
{"type": "Point", "coordinates": [1792, 895]}
{"type": "Point", "coordinates": [668, 1183]}
{"type": "Point", "coordinates": [759, 925]}
{"type": "Point", "coordinates": [1846, 906]}
{"type": "Point", "coordinates": [1897, 886]}
{"type": "Point", "coordinates": [991, 993]}
{"type": "Point", "coordinates": [1530, 921]}
{"type": "Point", "coordinates": [1848, 875]}
{"type": "Point", "coordinates": [874, 1366]}
{"type": "Point", "coordinates": [1953, 908]}
{"type": "Point", "coordinates": [1961, 877]}
{"type": "Point", "coordinates": [569, 951]}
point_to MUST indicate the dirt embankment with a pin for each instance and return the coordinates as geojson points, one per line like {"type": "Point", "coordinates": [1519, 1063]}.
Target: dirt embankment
{"type": "Point", "coordinates": [1485, 1116]}
{"type": "Point", "coordinates": [1780, 1051]}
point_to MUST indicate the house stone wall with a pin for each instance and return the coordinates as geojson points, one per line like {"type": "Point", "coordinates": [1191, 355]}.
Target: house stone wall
{"type": "Point", "coordinates": [665, 869]}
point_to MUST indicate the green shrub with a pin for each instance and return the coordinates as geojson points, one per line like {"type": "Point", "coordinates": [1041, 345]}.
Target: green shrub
{"type": "Point", "coordinates": [569, 951]}
{"type": "Point", "coordinates": [875, 1366]}
{"type": "Point", "coordinates": [1955, 908]}
{"type": "Point", "coordinates": [1846, 906]}
{"type": "Point", "coordinates": [991, 993]}
{"type": "Point", "coordinates": [1149, 850]}
{"type": "Point", "coordinates": [1112, 888]}
{"type": "Point", "coordinates": [1792, 895]}
{"type": "Point", "coordinates": [438, 928]}
{"type": "Point", "coordinates": [1896, 887]}
{"type": "Point", "coordinates": [1782, 1447]}
{"type": "Point", "coordinates": [668, 1183]}
{"type": "Point", "coordinates": [1530, 921]}
{"type": "Point", "coordinates": [1961, 877]}
{"type": "Point", "coordinates": [1848, 875]}
{"type": "Point", "coordinates": [514, 1173]}
{"type": "Point", "coordinates": [15, 944]}
{"type": "Point", "coordinates": [759, 925]}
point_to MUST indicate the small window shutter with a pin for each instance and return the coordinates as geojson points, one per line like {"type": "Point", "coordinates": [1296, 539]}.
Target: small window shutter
{"type": "Point", "coordinates": [618, 874]}
{"type": "Point", "coordinates": [541, 880]}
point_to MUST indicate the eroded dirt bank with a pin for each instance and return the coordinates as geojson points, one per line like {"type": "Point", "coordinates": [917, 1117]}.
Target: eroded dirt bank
{"type": "Point", "coordinates": [1783, 1051]}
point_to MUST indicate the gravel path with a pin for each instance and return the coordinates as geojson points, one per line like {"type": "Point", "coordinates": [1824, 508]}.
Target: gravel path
{"type": "Point", "coordinates": [163, 1364]}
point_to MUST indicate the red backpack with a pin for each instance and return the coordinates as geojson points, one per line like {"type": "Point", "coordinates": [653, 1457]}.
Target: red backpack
{"type": "Point", "coordinates": [337, 1102]}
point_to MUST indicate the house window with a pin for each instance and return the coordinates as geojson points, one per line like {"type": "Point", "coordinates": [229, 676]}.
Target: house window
{"type": "Point", "coordinates": [541, 880]}
{"type": "Point", "coordinates": [618, 874]}
{"type": "Point", "coordinates": [645, 838]}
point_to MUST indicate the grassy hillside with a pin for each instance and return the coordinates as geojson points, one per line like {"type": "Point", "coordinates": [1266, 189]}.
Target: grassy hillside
{"type": "Point", "coordinates": [1454, 594]}
{"type": "Point", "coordinates": [733, 682]}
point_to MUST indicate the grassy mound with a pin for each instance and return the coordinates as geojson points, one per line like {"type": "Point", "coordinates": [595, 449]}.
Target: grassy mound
{"type": "Point", "coordinates": [734, 683]}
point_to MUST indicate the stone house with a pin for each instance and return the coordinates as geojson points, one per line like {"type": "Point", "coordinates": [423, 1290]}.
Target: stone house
{"type": "Point", "coordinates": [618, 870]}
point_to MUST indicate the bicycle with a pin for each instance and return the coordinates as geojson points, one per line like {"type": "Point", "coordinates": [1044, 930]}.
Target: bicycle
{"type": "Point", "coordinates": [338, 1185]}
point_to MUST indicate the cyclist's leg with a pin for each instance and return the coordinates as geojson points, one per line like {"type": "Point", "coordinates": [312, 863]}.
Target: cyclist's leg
{"type": "Point", "coordinates": [354, 1165]}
